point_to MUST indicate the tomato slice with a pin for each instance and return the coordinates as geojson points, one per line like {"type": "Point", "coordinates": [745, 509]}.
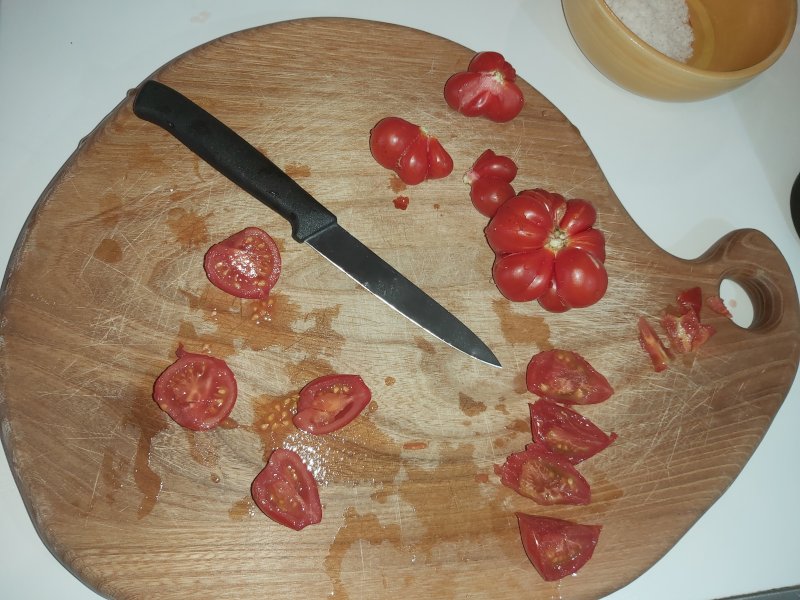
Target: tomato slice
{"type": "Point", "coordinates": [331, 402]}
{"type": "Point", "coordinates": [245, 265]}
{"type": "Point", "coordinates": [566, 377]}
{"type": "Point", "coordinates": [285, 491]}
{"type": "Point", "coordinates": [566, 433]}
{"type": "Point", "coordinates": [652, 344]}
{"type": "Point", "coordinates": [544, 477]}
{"type": "Point", "coordinates": [197, 391]}
{"type": "Point", "coordinates": [556, 547]}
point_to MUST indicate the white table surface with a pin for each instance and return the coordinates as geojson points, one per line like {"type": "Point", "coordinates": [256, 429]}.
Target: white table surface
{"type": "Point", "coordinates": [687, 173]}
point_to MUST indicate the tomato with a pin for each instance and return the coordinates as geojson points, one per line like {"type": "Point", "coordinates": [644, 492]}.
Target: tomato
{"type": "Point", "coordinates": [566, 377]}
{"type": "Point", "coordinates": [409, 151]}
{"type": "Point", "coordinates": [566, 433]}
{"type": "Point", "coordinates": [487, 88]}
{"type": "Point", "coordinates": [548, 250]}
{"type": "Point", "coordinates": [197, 391]}
{"type": "Point", "coordinates": [401, 202]}
{"type": "Point", "coordinates": [556, 547]}
{"type": "Point", "coordinates": [685, 332]}
{"type": "Point", "coordinates": [245, 265]}
{"type": "Point", "coordinates": [330, 402]}
{"type": "Point", "coordinates": [285, 491]}
{"type": "Point", "coordinates": [691, 299]}
{"type": "Point", "coordinates": [652, 344]}
{"type": "Point", "coordinates": [490, 182]}
{"type": "Point", "coordinates": [543, 477]}
{"type": "Point", "coordinates": [717, 304]}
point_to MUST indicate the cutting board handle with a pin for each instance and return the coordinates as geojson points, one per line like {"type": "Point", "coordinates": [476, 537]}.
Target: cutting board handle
{"type": "Point", "coordinates": [750, 259]}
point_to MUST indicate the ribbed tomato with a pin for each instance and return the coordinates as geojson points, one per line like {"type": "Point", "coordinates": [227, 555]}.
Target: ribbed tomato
{"type": "Point", "coordinates": [487, 88]}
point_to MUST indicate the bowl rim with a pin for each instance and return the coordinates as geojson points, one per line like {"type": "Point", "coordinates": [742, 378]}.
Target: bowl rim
{"type": "Point", "coordinates": [750, 71]}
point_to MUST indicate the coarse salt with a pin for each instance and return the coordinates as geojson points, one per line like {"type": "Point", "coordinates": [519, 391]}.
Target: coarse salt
{"type": "Point", "coordinates": [664, 24]}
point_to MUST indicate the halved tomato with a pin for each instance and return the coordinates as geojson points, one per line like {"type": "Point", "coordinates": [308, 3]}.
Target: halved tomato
{"type": "Point", "coordinates": [544, 477]}
{"type": "Point", "coordinates": [286, 491]}
{"type": "Point", "coordinates": [566, 433]}
{"type": "Point", "coordinates": [245, 265]}
{"type": "Point", "coordinates": [565, 376]}
{"type": "Point", "coordinates": [556, 547]}
{"type": "Point", "coordinates": [197, 391]}
{"type": "Point", "coordinates": [331, 402]}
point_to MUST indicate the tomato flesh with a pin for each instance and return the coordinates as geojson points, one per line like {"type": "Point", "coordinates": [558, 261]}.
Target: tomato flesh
{"type": "Point", "coordinates": [547, 249]}
{"type": "Point", "coordinates": [566, 433]}
{"type": "Point", "coordinates": [566, 377]}
{"type": "Point", "coordinates": [557, 547]}
{"type": "Point", "coordinates": [652, 344]}
{"type": "Point", "coordinates": [331, 402]}
{"type": "Point", "coordinates": [285, 491]}
{"type": "Point", "coordinates": [487, 88]}
{"type": "Point", "coordinates": [197, 391]}
{"type": "Point", "coordinates": [490, 182]}
{"type": "Point", "coordinates": [409, 151]}
{"type": "Point", "coordinates": [246, 264]}
{"type": "Point", "coordinates": [717, 304]}
{"type": "Point", "coordinates": [544, 477]}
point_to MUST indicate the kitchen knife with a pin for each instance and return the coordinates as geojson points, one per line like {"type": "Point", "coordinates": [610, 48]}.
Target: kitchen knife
{"type": "Point", "coordinates": [311, 222]}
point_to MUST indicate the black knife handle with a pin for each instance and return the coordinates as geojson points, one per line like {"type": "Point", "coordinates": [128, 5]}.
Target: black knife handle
{"type": "Point", "coordinates": [233, 156]}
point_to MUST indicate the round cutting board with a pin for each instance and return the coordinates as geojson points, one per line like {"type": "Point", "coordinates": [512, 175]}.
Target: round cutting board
{"type": "Point", "coordinates": [107, 280]}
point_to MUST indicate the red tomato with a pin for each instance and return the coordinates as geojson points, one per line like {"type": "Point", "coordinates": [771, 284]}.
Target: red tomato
{"type": "Point", "coordinates": [566, 377]}
{"type": "Point", "coordinates": [490, 182]}
{"type": "Point", "coordinates": [548, 250]}
{"type": "Point", "coordinates": [487, 88]}
{"type": "Point", "coordinates": [566, 433]}
{"type": "Point", "coordinates": [409, 151]}
{"type": "Point", "coordinates": [331, 402]}
{"type": "Point", "coordinates": [197, 391]}
{"type": "Point", "coordinates": [685, 332]}
{"type": "Point", "coordinates": [652, 344]}
{"type": "Point", "coordinates": [543, 477]}
{"type": "Point", "coordinates": [401, 202]}
{"type": "Point", "coordinates": [285, 491]}
{"type": "Point", "coordinates": [717, 304]}
{"type": "Point", "coordinates": [556, 547]}
{"type": "Point", "coordinates": [245, 265]}
{"type": "Point", "coordinates": [691, 299]}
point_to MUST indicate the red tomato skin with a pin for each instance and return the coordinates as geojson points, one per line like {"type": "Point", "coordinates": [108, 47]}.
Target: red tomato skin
{"type": "Point", "coordinates": [409, 151]}
{"type": "Point", "coordinates": [251, 257]}
{"type": "Point", "coordinates": [487, 88]}
{"type": "Point", "coordinates": [690, 299]}
{"type": "Point", "coordinates": [312, 416]}
{"type": "Point", "coordinates": [525, 276]}
{"type": "Point", "coordinates": [273, 484]}
{"type": "Point", "coordinates": [653, 346]}
{"type": "Point", "coordinates": [182, 405]}
{"type": "Point", "coordinates": [544, 537]}
{"type": "Point", "coordinates": [581, 279]}
{"type": "Point", "coordinates": [566, 377]}
{"type": "Point", "coordinates": [544, 477]}
{"type": "Point", "coordinates": [490, 182]}
{"type": "Point", "coordinates": [717, 304]}
{"type": "Point", "coordinates": [566, 432]}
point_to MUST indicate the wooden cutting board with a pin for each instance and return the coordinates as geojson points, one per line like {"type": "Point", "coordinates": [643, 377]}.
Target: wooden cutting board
{"type": "Point", "coordinates": [107, 280]}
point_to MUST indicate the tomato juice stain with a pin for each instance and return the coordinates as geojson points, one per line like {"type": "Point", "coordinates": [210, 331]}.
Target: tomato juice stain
{"type": "Point", "coordinates": [202, 448]}
{"type": "Point", "coordinates": [109, 251]}
{"type": "Point", "coordinates": [469, 406]}
{"type": "Point", "coordinates": [396, 184]}
{"type": "Point", "coordinates": [481, 478]}
{"type": "Point", "coordinates": [519, 426]}
{"type": "Point", "coordinates": [189, 228]}
{"type": "Point", "coordinates": [243, 509]}
{"type": "Point", "coordinates": [424, 345]}
{"type": "Point", "coordinates": [389, 381]}
{"type": "Point", "coordinates": [150, 420]}
{"type": "Point", "coordinates": [295, 170]}
{"type": "Point", "coordinates": [522, 329]}
{"type": "Point", "coordinates": [415, 445]}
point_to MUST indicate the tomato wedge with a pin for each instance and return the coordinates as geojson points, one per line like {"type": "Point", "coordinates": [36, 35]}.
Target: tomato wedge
{"type": "Point", "coordinates": [685, 332]}
{"type": "Point", "coordinates": [197, 391]}
{"type": "Point", "coordinates": [566, 433]}
{"type": "Point", "coordinates": [566, 377]}
{"type": "Point", "coordinates": [717, 304]}
{"type": "Point", "coordinates": [331, 402]}
{"type": "Point", "coordinates": [544, 477]}
{"type": "Point", "coordinates": [285, 491]}
{"type": "Point", "coordinates": [652, 344]}
{"type": "Point", "coordinates": [245, 265]}
{"type": "Point", "coordinates": [556, 547]}
{"type": "Point", "coordinates": [489, 181]}
{"type": "Point", "coordinates": [691, 299]}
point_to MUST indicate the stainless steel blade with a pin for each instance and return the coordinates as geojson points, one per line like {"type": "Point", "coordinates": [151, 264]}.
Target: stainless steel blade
{"type": "Point", "coordinates": [383, 280]}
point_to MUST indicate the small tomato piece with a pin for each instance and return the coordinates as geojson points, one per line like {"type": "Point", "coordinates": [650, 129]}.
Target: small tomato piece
{"type": "Point", "coordinates": [409, 151]}
{"type": "Point", "coordinates": [566, 377]}
{"type": "Point", "coordinates": [490, 182]}
{"type": "Point", "coordinates": [717, 304]}
{"type": "Point", "coordinates": [691, 299]}
{"type": "Point", "coordinates": [197, 391]}
{"type": "Point", "coordinates": [652, 344]}
{"type": "Point", "coordinates": [286, 491]}
{"type": "Point", "coordinates": [566, 432]}
{"type": "Point", "coordinates": [401, 202]}
{"type": "Point", "coordinates": [246, 264]}
{"type": "Point", "coordinates": [330, 402]}
{"type": "Point", "coordinates": [556, 547]}
{"type": "Point", "coordinates": [544, 477]}
{"type": "Point", "coordinates": [487, 88]}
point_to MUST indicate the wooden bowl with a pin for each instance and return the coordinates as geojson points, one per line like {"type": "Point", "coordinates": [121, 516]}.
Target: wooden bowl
{"type": "Point", "coordinates": [734, 40]}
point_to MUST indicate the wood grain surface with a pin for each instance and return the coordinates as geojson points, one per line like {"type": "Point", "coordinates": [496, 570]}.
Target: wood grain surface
{"type": "Point", "coordinates": [107, 280]}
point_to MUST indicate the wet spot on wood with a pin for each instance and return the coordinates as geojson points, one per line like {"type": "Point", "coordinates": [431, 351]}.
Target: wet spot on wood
{"type": "Point", "coordinates": [189, 228]}
{"type": "Point", "coordinates": [522, 329]}
{"type": "Point", "coordinates": [415, 445]}
{"type": "Point", "coordinates": [243, 509]}
{"type": "Point", "coordinates": [296, 170]}
{"type": "Point", "coordinates": [396, 184]}
{"type": "Point", "coordinates": [469, 406]}
{"type": "Point", "coordinates": [519, 426]}
{"type": "Point", "coordinates": [108, 251]}
{"type": "Point", "coordinates": [424, 345]}
{"type": "Point", "coordinates": [389, 381]}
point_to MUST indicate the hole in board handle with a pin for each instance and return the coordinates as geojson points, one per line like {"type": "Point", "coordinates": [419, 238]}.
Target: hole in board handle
{"type": "Point", "coordinates": [754, 301]}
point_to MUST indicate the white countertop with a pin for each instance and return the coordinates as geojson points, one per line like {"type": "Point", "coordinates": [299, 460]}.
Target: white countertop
{"type": "Point", "coordinates": [687, 174]}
